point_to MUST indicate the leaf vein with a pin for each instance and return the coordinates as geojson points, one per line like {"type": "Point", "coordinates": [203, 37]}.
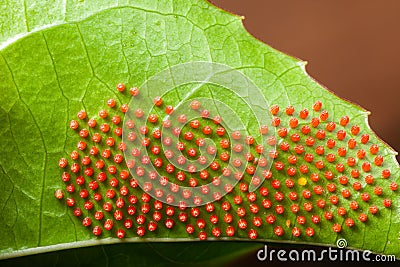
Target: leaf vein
{"type": "Point", "coordinates": [26, 16]}
{"type": "Point", "coordinates": [91, 65]}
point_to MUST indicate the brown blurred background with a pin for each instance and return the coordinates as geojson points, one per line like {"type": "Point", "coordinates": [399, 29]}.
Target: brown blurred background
{"type": "Point", "coordinates": [352, 47]}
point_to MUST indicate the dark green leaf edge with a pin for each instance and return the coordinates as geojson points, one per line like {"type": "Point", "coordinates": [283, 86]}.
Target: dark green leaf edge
{"type": "Point", "coordinates": [111, 241]}
{"type": "Point", "coordinates": [302, 64]}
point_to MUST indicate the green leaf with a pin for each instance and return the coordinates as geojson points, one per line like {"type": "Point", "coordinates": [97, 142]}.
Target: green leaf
{"type": "Point", "coordinates": [58, 58]}
{"type": "Point", "coordinates": [143, 254]}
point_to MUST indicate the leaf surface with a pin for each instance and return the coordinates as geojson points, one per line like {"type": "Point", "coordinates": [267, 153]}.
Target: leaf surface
{"type": "Point", "coordinates": [59, 58]}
